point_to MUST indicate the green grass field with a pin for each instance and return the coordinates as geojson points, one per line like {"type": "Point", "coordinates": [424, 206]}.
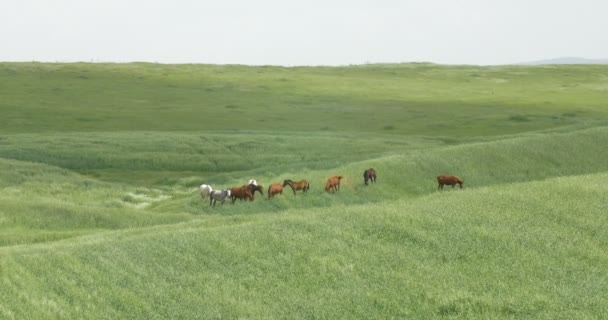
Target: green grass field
{"type": "Point", "coordinates": [100, 217]}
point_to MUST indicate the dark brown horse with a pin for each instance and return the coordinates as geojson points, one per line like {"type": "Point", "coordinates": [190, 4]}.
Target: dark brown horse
{"type": "Point", "coordinates": [241, 192]}
{"type": "Point", "coordinates": [333, 183]}
{"type": "Point", "coordinates": [449, 180]}
{"type": "Point", "coordinates": [253, 188]}
{"type": "Point", "coordinates": [300, 185]}
{"type": "Point", "coordinates": [275, 188]}
{"type": "Point", "coordinates": [369, 175]}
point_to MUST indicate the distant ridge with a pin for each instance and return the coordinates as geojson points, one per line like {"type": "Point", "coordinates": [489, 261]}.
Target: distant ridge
{"type": "Point", "coordinates": [567, 60]}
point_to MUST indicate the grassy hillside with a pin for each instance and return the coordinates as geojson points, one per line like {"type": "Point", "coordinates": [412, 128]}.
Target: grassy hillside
{"type": "Point", "coordinates": [494, 252]}
{"type": "Point", "coordinates": [100, 215]}
{"type": "Point", "coordinates": [418, 99]}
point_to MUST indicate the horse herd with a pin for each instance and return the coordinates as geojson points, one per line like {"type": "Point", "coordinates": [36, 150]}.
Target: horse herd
{"type": "Point", "coordinates": [247, 191]}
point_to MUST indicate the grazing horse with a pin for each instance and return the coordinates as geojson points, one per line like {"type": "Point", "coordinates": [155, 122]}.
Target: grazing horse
{"type": "Point", "coordinates": [274, 189]}
{"type": "Point", "coordinates": [205, 190]}
{"type": "Point", "coordinates": [369, 175]}
{"type": "Point", "coordinates": [218, 195]}
{"type": "Point", "coordinates": [449, 180]}
{"type": "Point", "coordinates": [255, 187]}
{"type": "Point", "coordinates": [300, 185]}
{"type": "Point", "coordinates": [333, 183]}
{"type": "Point", "coordinates": [242, 192]}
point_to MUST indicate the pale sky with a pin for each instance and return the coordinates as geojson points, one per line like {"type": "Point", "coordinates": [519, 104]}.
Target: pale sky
{"type": "Point", "coordinates": [312, 32]}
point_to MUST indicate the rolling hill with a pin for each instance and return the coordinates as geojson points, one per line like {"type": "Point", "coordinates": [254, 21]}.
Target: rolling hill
{"type": "Point", "coordinates": [100, 216]}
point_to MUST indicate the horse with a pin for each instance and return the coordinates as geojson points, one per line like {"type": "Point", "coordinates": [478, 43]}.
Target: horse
{"type": "Point", "coordinates": [241, 192]}
{"type": "Point", "coordinates": [333, 183]}
{"type": "Point", "coordinates": [218, 195]}
{"type": "Point", "coordinates": [449, 180]}
{"type": "Point", "coordinates": [255, 187]}
{"type": "Point", "coordinates": [205, 190]}
{"type": "Point", "coordinates": [369, 175]}
{"type": "Point", "coordinates": [300, 185]}
{"type": "Point", "coordinates": [274, 189]}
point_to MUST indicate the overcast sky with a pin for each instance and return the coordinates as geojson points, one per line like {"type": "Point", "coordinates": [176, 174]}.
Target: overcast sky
{"type": "Point", "coordinates": [311, 32]}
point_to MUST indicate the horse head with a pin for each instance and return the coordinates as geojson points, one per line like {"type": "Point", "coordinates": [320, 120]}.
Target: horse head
{"type": "Point", "coordinates": [254, 188]}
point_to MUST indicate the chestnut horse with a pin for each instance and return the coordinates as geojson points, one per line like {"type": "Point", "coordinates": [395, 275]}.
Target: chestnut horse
{"type": "Point", "coordinates": [369, 175]}
{"type": "Point", "coordinates": [333, 183]}
{"type": "Point", "coordinates": [300, 185]}
{"type": "Point", "coordinates": [274, 189]}
{"type": "Point", "coordinates": [449, 180]}
{"type": "Point", "coordinates": [241, 192]}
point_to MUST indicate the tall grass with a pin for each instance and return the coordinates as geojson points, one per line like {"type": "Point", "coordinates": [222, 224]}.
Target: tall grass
{"type": "Point", "coordinates": [407, 98]}
{"type": "Point", "coordinates": [100, 215]}
{"type": "Point", "coordinates": [46, 198]}
{"type": "Point", "coordinates": [532, 250]}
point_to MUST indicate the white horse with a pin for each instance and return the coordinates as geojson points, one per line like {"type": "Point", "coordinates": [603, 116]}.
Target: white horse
{"type": "Point", "coordinates": [218, 195]}
{"type": "Point", "coordinates": [253, 182]}
{"type": "Point", "coordinates": [205, 190]}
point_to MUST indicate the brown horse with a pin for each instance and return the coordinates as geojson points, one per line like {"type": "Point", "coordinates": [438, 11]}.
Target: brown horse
{"type": "Point", "coordinates": [300, 185]}
{"type": "Point", "coordinates": [369, 175]}
{"type": "Point", "coordinates": [449, 180]}
{"type": "Point", "coordinates": [333, 183]}
{"type": "Point", "coordinates": [255, 187]}
{"type": "Point", "coordinates": [241, 192]}
{"type": "Point", "coordinates": [274, 189]}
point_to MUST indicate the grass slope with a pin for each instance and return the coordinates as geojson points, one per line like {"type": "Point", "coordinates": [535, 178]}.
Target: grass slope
{"type": "Point", "coordinates": [493, 252]}
{"type": "Point", "coordinates": [417, 99]}
{"type": "Point", "coordinates": [100, 218]}
{"type": "Point", "coordinates": [41, 202]}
